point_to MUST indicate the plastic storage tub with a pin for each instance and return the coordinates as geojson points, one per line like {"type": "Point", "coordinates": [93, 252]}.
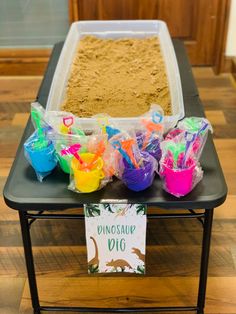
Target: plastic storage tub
{"type": "Point", "coordinates": [118, 29]}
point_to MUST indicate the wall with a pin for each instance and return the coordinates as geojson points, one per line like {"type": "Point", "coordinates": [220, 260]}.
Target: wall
{"type": "Point", "coordinates": [32, 23]}
{"type": "Point", "coordinates": [231, 38]}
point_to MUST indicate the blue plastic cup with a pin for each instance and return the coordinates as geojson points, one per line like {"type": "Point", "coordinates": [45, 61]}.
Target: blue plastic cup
{"type": "Point", "coordinates": [43, 159]}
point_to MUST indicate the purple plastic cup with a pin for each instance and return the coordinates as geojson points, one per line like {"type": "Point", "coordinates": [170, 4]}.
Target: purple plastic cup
{"type": "Point", "coordinates": [139, 179]}
{"type": "Point", "coordinates": [178, 182]}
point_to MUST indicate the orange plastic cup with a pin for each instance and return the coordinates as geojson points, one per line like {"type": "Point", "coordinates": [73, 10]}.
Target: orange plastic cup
{"type": "Point", "coordinates": [87, 180]}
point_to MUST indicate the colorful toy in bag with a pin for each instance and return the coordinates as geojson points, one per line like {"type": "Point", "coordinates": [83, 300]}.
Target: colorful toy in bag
{"type": "Point", "coordinates": [87, 169]}
{"type": "Point", "coordinates": [136, 169]}
{"type": "Point", "coordinates": [64, 122]}
{"type": "Point", "coordinates": [63, 144]}
{"type": "Point", "coordinates": [199, 128]}
{"type": "Point", "coordinates": [150, 132]}
{"type": "Point", "coordinates": [180, 169]}
{"type": "Point", "coordinates": [87, 180]}
{"type": "Point", "coordinates": [66, 154]}
{"type": "Point", "coordinates": [39, 151]}
{"type": "Point", "coordinates": [139, 179]}
{"type": "Point", "coordinates": [178, 179]}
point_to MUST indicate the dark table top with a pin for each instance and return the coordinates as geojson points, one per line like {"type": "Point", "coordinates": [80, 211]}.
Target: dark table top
{"type": "Point", "coordinates": [23, 192]}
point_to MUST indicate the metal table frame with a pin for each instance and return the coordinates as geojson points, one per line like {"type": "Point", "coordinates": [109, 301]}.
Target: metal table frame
{"type": "Point", "coordinates": [31, 198]}
{"type": "Point", "coordinates": [205, 218]}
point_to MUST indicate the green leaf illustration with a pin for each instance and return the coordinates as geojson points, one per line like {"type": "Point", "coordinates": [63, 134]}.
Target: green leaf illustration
{"type": "Point", "coordinates": [91, 210]}
{"type": "Point", "coordinates": [141, 209]}
{"type": "Point", "coordinates": [140, 269]}
{"type": "Point", "coordinates": [108, 208]}
{"type": "Point", "coordinates": [93, 269]}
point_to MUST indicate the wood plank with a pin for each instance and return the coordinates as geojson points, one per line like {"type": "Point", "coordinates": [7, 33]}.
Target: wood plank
{"type": "Point", "coordinates": [222, 92]}
{"type": "Point", "coordinates": [226, 210]}
{"type": "Point", "coordinates": [25, 53]}
{"type": "Point", "coordinates": [224, 131]}
{"type": "Point", "coordinates": [120, 292]}
{"type": "Point", "coordinates": [168, 232]}
{"type": "Point", "coordinates": [10, 108]}
{"type": "Point", "coordinates": [32, 66]}
{"type": "Point", "coordinates": [20, 119]}
{"type": "Point", "coordinates": [9, 150]}
{"type": "Point", "coordinates": [226, 151]}
{"type": "Point", "coordinates": [221, 81]}
{"type": "Point", "coordinates": [234, 70]}
{"type": "Point", "coordinates": [216, 117]}
{"type": "Point", "coordinates": [71, 261]}
{"type": "Point", "coordinates": [5, 165]}
{"type": "Point", "coordinates": [219, 104]}
{"type": "Point", "coordinates": [203, 72]}
{"type": "Point", "coordinates": [230, 115]}
{"type": "Point", "coordinates": [19, 90]}
{"type": "Point", "coordinates": [7, 213]}
{"type": "Point", "coordinates": [10, 294]}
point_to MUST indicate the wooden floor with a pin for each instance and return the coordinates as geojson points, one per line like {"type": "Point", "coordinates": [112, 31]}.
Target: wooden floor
{"type": "Point", "coordinates": [173, 250]}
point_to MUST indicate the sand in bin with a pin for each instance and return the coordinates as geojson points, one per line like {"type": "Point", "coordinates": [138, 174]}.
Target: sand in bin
{"type": "Point", "coordinates": [119, 77]}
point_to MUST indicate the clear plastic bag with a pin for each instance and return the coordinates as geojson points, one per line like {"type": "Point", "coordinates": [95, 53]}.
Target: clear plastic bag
{"type": "Point", "coordinates": [196, 132]}
{"type": "Point", "coordinates": [64, 122]}
{"type": "Point", "coordinates": [38, 149]}
{"type": "Point", "coordinates": [150, 132]}
{"type": "Point", "coordinates": [90, 170]}
{"type": "Point", "coordinates": [140, 178]}
{"type": "Point", "coordinates": [40, 154]}
{"type": "Point", "coordinates": [134, 167]}
{"type": "Point", "coordinates": [180, 169]}
{"type": "Point", "coordinates": [180, 182]}
{"type": "Point", "coordinates": [65, 146]}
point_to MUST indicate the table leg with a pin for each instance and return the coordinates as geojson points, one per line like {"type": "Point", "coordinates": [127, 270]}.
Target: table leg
{"type": "Point", "coordinates": [29, 261]}
{"type": "Point", "coordinates": [204, 259]}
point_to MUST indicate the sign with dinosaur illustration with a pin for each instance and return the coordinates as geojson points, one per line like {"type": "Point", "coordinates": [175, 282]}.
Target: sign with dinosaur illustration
{"type": "Point", "coordinates": [116, 237]}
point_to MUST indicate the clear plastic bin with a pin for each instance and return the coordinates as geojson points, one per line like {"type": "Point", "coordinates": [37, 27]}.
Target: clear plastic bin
{"type": "Point", "coordinates": [118, 29]}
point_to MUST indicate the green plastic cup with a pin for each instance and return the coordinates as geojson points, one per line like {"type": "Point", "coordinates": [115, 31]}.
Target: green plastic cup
{"type": "Point", "coordinates": [64, 162]}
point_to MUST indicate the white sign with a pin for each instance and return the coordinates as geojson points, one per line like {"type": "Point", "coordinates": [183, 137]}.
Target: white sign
{"type": "Point", "coordinates": [116, 237]}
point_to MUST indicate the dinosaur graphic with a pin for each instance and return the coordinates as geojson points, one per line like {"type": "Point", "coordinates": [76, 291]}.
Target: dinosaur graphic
{"type": "Point", "coordinates": [119, 263]}
{"type": "Point", "coordinates": [140, 255]}
{"type": "Point", "coordinates": [94, 262]}
{"type": "Point", "coordinates": [123, 211]}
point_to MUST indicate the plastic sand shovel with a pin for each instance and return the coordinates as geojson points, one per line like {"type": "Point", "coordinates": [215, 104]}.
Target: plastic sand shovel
{"type": "Point", "coordinates": [127, 147]}
{"type": "Point", "coordinates": [42, 142]}
{"type": "Point", "coordinates": [111, 131]}
{"type": "Point", "coordinates": [157, 117]}
{"type": "Point", "coordinates": [100, 151]}
{"type": "Point", "coordinates": [196, 125]}
{"type": "Point", "coordinates": [176, 150]}
{"type": "Point", "coordinates": [73, 149]}
{"type": "Point", "coordinates": [76, 131]}
{"type": "Point", "coordinates": [117, 145]}
{"type": "Point", "coordinates": [103, 122]}
{"type": "Point", "coordinates": [151, 127]}
{"type": "Point", "coordinates": [190, 138]}
{"type": "Point", "coordinates": [67, 123]}
{"type": "Point", "coordinates": [192, 124]}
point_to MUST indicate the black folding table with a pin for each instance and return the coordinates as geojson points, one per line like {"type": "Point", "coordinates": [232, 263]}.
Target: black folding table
{"type": "Point", "coordinates": [31, 198]}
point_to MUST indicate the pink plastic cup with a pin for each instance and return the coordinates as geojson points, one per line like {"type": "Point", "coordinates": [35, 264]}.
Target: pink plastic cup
{"type": "Point", "coordinates": [178, 182]}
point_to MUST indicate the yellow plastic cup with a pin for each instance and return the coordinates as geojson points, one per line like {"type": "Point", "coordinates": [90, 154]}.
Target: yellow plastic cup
{"type": "Point", "coordinates": [87, 180]}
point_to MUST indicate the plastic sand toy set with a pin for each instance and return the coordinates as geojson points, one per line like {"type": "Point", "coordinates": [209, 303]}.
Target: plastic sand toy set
{"type": "Point", "coordinates": [133, 154]}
